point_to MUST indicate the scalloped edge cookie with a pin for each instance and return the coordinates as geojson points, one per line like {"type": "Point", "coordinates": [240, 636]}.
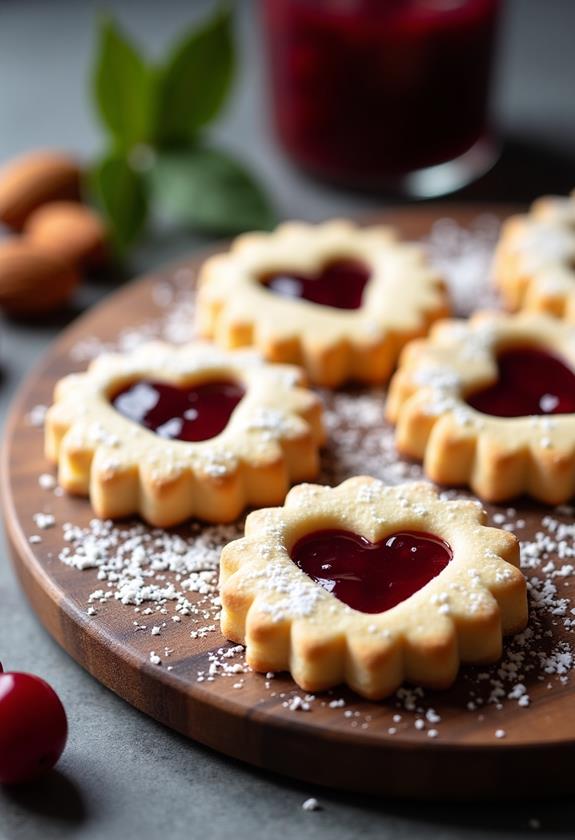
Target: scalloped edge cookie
{"type": "Point", "coordinates": [534, 263]}
{"type": "Point", "coordinates": [498, 457]}
{"type": "Point", "coordinates": [288, 622]}
{"type": "Point", "coordinates": [270, 441]}
{"type": "Point", "coordinates": [403, 296]}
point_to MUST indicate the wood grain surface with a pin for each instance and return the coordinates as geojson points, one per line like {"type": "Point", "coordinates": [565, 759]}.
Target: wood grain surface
{"type": "Point", "coordinates": [253, 724]}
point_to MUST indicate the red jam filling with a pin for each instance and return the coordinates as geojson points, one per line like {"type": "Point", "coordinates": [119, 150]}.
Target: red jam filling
{"type": "Point", "coordinates": [371, 577]}
{"type": "Point", "coordinates": [339, 284]}
{"type": "Point", "coordinates": [530, 381]}
{"type": "Point", "coordinates": [196, 413]}
{"type": "Point", "coordinates": [366, 88]}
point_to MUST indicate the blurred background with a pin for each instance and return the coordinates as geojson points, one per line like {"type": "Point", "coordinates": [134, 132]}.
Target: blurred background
{"type": "Point", "coordinates": [307, 108]}
{"type": "Point", "coordinates": [48, 48]}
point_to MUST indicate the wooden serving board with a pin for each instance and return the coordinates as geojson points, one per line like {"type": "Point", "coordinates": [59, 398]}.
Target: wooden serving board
{"type": "Point", "coordinates": [341, 741]}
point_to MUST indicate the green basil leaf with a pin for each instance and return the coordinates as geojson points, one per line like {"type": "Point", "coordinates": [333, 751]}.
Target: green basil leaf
{"type": "Point", "coordinates": [123, 87]}
{"type": "Point", "coordinates": [120, 193]}
{"type": "Point", "coordinates": [196, 80]}
{"type": "Point", "coordinates": [206, 190]}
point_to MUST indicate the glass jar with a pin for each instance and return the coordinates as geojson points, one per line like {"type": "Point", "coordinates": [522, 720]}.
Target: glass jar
{"type": "Point", "coordinates": [384, 94]}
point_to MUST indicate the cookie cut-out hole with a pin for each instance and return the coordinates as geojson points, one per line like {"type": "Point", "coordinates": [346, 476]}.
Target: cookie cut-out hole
{"type": "Point", "coordinates": [339, 284]}
{"type": "Point", "coordinates": [371, 577]}
{"type": "Point", "coordinates": [530, 381]}
{"type": "Point", "coordinates": [195, 413]}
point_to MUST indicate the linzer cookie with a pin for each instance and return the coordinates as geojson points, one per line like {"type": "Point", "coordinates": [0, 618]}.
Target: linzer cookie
{"type": "Point", "coordinates": [371, 585]}
{"type": "Point", "coordinates": [534, 265]}
{"type": "Point", "coordinates": [490, 403]}
{"type": "Point", "coordinates": [174, 432]}
{"type": "Point", "coordinates": [338, 299]}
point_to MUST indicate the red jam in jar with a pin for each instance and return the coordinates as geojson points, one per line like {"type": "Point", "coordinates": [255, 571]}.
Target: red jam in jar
{"type": "Point", "coordinates": [365, 91]}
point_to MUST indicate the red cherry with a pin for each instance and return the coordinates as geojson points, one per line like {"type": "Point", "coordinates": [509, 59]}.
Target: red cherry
{"type": "Point", "coordinates": [33, 727]}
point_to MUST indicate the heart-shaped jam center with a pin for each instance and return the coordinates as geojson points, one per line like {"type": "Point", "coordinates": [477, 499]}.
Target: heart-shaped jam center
{"type": "Point", "coordinates": [371, 577]}
{"type": "Point", "coordinates": [340, 284]}
{"type": "Point", "coordinates": [196, 413]}
{"type": "Point", "coordinates": [529, 381]}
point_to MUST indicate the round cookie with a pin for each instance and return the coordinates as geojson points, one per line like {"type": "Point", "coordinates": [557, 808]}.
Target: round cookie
{"type": "Point", "coordinates": [249, 430]}
{"type": "Point", "coordinates": [534, 265]}
{"type": "Point", "coordinates": [490, 403]}
{"type": "Point", "coordinates": [338, 299]}
{"type": "Point", "coordinates": [291, 619]}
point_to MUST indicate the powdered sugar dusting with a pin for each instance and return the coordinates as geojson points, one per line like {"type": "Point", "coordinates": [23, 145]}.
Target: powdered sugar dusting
{"type": "Point", "coordinates": [138, 565]}
{"type": "Point", "coordinates": [363, 439]}
{"type": "Point", "coordinates": [174, 322]}
{"type": "Point", "coordinates": [463, 257]}
{"type": "Point", "coordinates": [173, 576]}
{"type": "Point", "coordinates": [161, 580]}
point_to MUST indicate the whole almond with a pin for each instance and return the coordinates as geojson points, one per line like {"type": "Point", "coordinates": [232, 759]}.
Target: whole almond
{"type": "Point", "coordinates": [70, 231]}
{"type": "Point", "coordinates": [34, 179]}
{"type": "Point", "coordinates": [33, 282]}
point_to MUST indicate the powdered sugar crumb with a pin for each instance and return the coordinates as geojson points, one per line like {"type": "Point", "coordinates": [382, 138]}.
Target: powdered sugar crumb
{"type": "Point", "coordinates": [44, 520]}
{"type": "Point", "coordinates": [311, 805]}
{"type": "Point", "coordinates": [47, 481]}
{"type": "Point", "coordinates": [463, 257]}
{"type": "Point", "coordinates": [37, 415]}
